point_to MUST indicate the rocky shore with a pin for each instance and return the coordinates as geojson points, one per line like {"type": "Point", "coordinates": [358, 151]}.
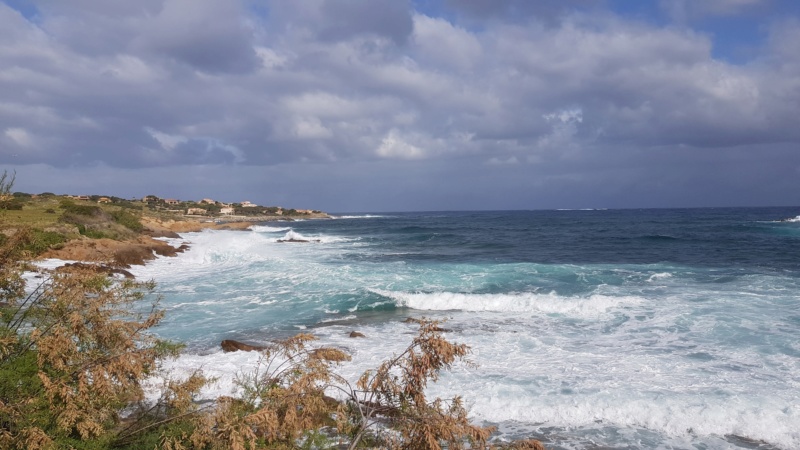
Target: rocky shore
{"type": "Point", "coordinates": [138, 250]}
{"type": "Point", "coordinates": [145, 246]}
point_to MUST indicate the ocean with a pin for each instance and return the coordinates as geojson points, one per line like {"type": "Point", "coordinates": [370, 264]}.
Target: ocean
{"type": "Point", "coordinates": [618, 329]}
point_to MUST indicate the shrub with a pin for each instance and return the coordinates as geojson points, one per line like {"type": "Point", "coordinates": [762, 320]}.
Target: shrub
{"type": "Point", "coordinates": [40, 241]}
{"type": "Point", "coordinates": [284, 402]}
{"type": "Point", "coordinates": [11, 205]}
{"type": "Point", "coordinates": [81, 210]}
{"type": "Point", "coordinates": [127, 220]}
{"type": "Point", "coordinates": [94, 234]}
{"type": "Point", "coordinates": [72, 354]}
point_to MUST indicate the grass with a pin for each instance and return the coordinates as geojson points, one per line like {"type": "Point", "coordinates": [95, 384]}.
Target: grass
{"type": "Point", "coordinates": [33, 214]}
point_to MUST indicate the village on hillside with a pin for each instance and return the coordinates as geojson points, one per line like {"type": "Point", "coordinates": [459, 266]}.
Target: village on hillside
{"type": "Point", "coordinates": [203, 208]}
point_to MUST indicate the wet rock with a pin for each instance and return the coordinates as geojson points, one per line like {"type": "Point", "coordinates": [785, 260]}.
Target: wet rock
{"type": "Point", "coordinates": [229, 345]}
{"type": "Point", "coordinates": [161, 233]}
{"type": "Point", "coordinates": [98, 268]}
{"type": "Point", "coordinates": [356, 334]}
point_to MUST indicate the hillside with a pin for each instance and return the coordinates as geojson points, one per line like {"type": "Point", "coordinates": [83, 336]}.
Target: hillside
{"type": "Point", "coordinates": [120, 232]}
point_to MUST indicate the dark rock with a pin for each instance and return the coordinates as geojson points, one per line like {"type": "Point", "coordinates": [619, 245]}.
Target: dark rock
{"type": "Point", "coordinates": [229, 345]}
{"type": "Point", "coordinates": [162, 233]}
{"type": "Point", "coordinates": [98, 268]}
{"type": "Point", "coordinates": [356, 334]}
{"type": "Point", "coordinates": [299, 240]}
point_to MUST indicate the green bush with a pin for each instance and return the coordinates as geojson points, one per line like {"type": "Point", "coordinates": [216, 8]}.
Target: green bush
{"type": "Point", "coordinates": [41, 241]}
{"type": "Point", "coordinates": [13, 204]}
{"type": "Point", "coordinates": [81, 210]}
{"type": "Point", "coordinates": [88, 232]}
{"type": "Point", "coordinates": [127, 220]}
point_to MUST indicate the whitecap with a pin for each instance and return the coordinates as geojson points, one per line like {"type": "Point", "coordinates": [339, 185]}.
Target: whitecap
{"type": "Point", "coordinates": [365, 216]}
{"type": "Point", "coordinates": [268, 229]}
{"type": "Point", "coordinates": [551, 303]}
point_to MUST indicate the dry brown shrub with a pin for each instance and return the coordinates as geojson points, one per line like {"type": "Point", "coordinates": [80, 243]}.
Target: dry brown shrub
{"type": "Point", "coordinates": [390, 403]}
{"type": "Point", "coordinates": [86, 348]}
{"type": "Point", "coordinates": [330, 354]}
{"type": "Point", "coordinates": [526, 444]}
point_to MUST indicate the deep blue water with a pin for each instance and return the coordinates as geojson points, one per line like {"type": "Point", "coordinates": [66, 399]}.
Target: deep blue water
{"type": "Point", "coordinates": [740, 238]}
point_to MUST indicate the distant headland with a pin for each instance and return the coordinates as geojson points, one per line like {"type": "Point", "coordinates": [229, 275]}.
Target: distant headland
{"type": "Point", "coordinates": [119, 232]}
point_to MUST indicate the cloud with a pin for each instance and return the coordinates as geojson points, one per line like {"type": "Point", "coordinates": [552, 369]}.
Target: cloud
{"type": "Point", "coordinates": [567, 91]}
{"type": "Point", "coordinates": [209, 35]}
{"type": "Point", "coordinates": [518, 9]}
{"type": "Point", "coordinates": [439, 42]}
{"type": "Point", "coordinates": [395, 145]}
{"type": "Point", "coordinates": [346, 18]}
{"type": "Point", "coordinates": [19, 136]}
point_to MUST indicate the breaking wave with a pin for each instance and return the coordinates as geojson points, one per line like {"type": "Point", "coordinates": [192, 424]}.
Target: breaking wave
{"type": "Point", "coordinates": [590, 306]}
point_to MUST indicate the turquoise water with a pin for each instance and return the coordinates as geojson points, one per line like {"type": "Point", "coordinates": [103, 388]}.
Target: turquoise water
{"type": "Point", "coordinates": [618, 329]}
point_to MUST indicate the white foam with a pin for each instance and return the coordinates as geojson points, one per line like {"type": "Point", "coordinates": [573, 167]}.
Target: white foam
{"type": "Point", "coordinates": [337, 319]}
{"type": "Point", "coordinates": [222, 367]}
{"type": "Point", "coordinates": [659, 276]}
{"type": "Point", "coordinates": [52, 263]}
{"type": "Point", "coordinates": [365, 216]}
{"type": "Point", "coordinates": [792, 219]}
{"type": "Point", "coordinates": [546, 378]}
{"type": "Point", "coordinates": [293, 235]}
{"type": "Point", "coordinates": [523, 302]}
{"type": "Point", "coordinates": [269, 229]}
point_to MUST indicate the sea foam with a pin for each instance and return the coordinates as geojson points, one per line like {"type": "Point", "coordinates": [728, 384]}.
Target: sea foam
{"type": "Point", "coordinates": [551, 303]}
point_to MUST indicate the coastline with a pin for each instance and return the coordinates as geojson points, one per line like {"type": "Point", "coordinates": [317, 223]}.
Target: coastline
{"type": "Point", "coordinates": [147, 246]}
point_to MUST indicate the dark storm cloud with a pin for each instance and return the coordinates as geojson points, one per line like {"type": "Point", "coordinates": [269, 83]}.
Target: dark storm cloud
{"type": "Point", "coordinates": [509, 113]}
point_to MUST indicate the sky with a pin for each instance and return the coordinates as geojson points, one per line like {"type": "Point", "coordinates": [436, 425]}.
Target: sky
{"type": "Point", "coordinates": [405, 105]}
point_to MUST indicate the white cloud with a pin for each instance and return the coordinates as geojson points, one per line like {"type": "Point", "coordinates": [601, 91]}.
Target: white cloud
{"type": "Point", "coordinates": [20, 136]}
{"type": "Point", "coordinates": [168, 141]}
{"type": "Point", "coordinates": [440, 42]}
{"type": "Point", "coordinates": [395, 146]}
{"type": "Point", "coordinates": [311, 128]}
{"type": "Point", "coordinates": [566, 116]}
